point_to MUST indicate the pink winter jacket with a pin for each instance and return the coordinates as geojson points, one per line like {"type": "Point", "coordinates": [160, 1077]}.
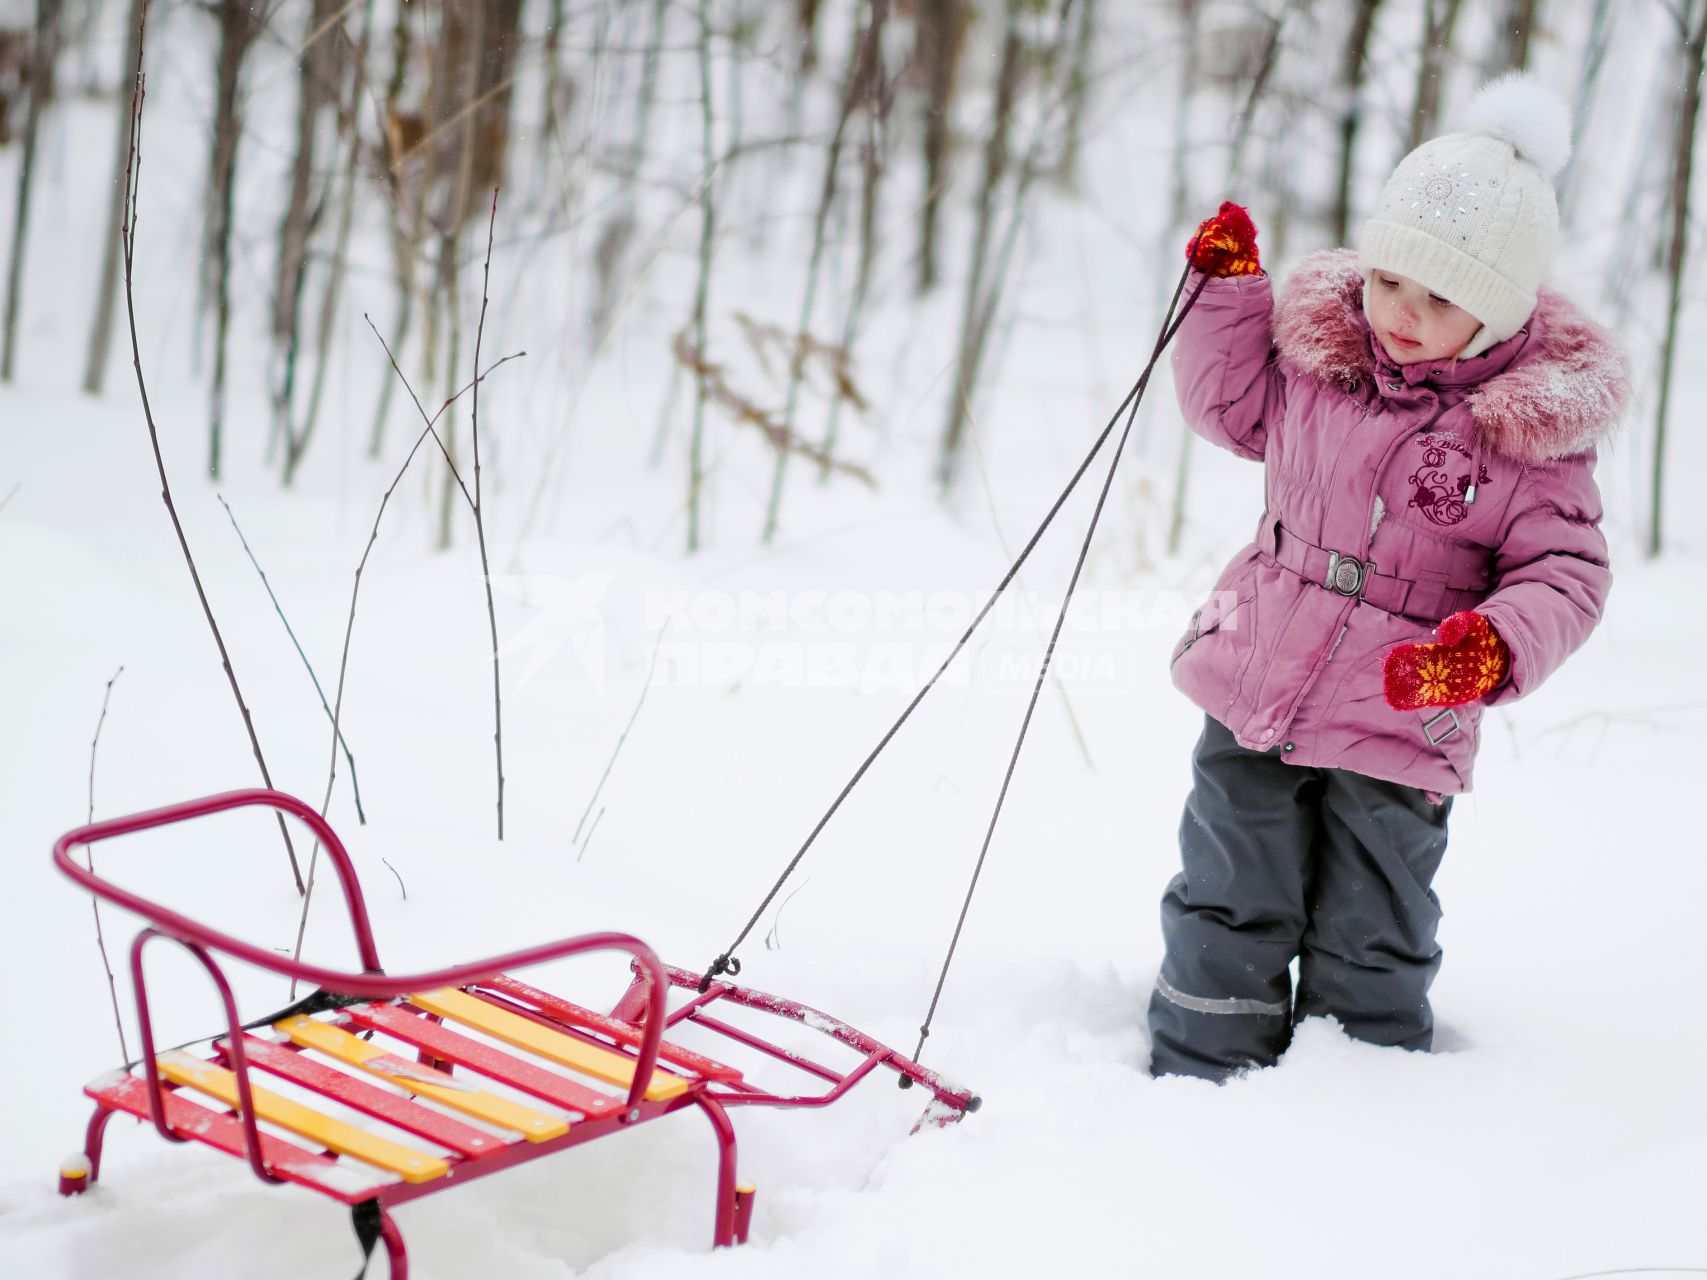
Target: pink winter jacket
{"type": "Point", "coordinates": [1467, 487]}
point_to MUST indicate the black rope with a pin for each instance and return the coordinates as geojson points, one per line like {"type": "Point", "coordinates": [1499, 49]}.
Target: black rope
{"type": "Point", "coordinates": [365, 1218]}
{"type": "Point", "coordinates": [1168, 332]}
{"type": "Point", "coordinates": [727, 962]}
{"type": "Point", "coordinates": [316, 1001]}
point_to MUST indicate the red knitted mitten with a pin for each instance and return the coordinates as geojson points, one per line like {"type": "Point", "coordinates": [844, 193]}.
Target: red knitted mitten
{"type": "Point", "coordinates": [1225, 245]}
{"type": "Point", "coordinates": [1467, 663]}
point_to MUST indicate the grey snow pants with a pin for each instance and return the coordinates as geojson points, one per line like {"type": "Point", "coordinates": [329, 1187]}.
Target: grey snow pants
{"type": "Point", "coordinates": [1281, 862]}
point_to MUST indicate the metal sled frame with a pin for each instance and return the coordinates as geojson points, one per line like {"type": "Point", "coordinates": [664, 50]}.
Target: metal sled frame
{"type": "Point", "coordinates": [558, 1095]}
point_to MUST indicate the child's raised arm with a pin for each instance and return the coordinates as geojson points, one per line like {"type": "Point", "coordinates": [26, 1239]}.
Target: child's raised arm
{"type": "Point", "coordinates": [1229, 387]}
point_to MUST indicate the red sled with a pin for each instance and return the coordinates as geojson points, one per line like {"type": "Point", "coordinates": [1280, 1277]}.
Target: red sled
{"type": "Point", "coordinates": [467, 1069]}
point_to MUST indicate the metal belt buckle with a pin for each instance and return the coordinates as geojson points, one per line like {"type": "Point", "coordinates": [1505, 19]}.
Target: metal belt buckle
{"type": "Point", "coordinates": [1346, 575]}
{"type": "Point", "coordinates": [1437, 729]}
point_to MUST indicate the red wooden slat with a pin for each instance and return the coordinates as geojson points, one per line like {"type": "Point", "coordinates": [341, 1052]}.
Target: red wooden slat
{"type": "Point", "coordinates": [623, 1032]}
{"type": "Point", "coordinates": [345, 1182]}
{"type": "Point", "coordinates": [368, 1098]}
{"type": "Point", "coordinates": [452, 1046]}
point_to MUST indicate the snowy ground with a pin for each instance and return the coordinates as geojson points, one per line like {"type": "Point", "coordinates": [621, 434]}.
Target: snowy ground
{"type": "Point", "coordinates": [1560, 1128]}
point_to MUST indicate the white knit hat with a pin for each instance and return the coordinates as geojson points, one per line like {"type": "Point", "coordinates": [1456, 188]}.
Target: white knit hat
{"type": "Point", "coordinates": [1471, 216]}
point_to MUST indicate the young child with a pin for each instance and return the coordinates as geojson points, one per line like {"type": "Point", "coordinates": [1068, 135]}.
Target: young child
{"type": "Point", "coordinates": [1426, 413]}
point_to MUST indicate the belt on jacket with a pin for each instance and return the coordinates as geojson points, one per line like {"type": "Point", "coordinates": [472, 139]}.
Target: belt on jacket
{"type": "Point", "coordinates": [1429, 599]}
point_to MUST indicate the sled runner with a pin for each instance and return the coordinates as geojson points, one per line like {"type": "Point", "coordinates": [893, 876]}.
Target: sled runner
{"type": "Point", "coordinates": [469, 1068]}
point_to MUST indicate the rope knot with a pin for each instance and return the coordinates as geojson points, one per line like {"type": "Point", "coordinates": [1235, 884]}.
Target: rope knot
{"type": "Point", "coordinates": [724, 964]}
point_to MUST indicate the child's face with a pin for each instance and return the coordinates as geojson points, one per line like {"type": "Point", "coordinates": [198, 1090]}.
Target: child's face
{"type": "Point", "coordinates": [1413, 324]}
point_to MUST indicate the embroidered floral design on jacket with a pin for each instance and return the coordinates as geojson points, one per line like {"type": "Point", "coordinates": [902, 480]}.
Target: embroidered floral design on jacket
{"type": "Point", "coordinates": [1435, 492]}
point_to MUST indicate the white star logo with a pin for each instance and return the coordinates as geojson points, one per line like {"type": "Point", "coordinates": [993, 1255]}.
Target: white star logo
{"type": "Point", "coordinates": [568, 610]}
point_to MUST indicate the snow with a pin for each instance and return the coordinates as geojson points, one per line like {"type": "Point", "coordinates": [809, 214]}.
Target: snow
{"type": "Point", "coordinates": [1560, 1127]}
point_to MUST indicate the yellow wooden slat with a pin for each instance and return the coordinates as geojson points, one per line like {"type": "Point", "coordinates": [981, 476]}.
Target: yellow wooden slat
{"type": "Point", "coordinates": [316, 1126]}
{"type": "Point", "coordinates": [535, 1126]}
{"type": "Point", "coordinates": [512, 1029]}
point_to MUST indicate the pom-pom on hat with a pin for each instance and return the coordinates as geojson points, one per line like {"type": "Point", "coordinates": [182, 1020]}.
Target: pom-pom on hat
{"type": "Point", "coordinates": [1471, 216]}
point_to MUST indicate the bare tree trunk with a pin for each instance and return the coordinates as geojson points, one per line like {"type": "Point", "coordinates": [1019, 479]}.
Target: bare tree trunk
{"type": "Point", "coordinates": [236, 33]}
{"type": "Point", "coordinates": [707, 232]}
{"type": "Point", "coordinates": [1351, 80]}
{"type": "Point", "coordinates": [1511, 44]}
{"type": "Point", "coordinates": [806, 20]}
{"type": "Point", "coordinates": [872, 153]}
{"type": "Point", "coordinates": [1439, 19]}
{"type": "Point", "coordinates": [405, 210]}
{"type": "Point", "coordinates": [983, 320]}
{"type": "Point", "coordinates": [995, 168]}
{"type": "Point", "coordinates": [1265, 69]}
{"type": "Point", "coordinates": [1259, 84]}
{"type": "Point", "coordinates": [1694, 40]}
{"type": "Point", "coordinates": [806, 13]}
{"type": "Point", "coordinates": [548, 126]}
{"type": "Point", "coordinates": [1621, 272]}
{"type": "Point", "coordinates": [101, 332]}
{"type": "Point", "coordinates": [618, 233]}
{"type": "Point", "coordinates": [941, 26]}
{"type": "Point", "coordinates": [1280, 168]}
{"type": "Point", "coordinates": [863, 64]}
{"type": "Point", "coordinates": [1191, 14]}
{"type": "Point", "coordinates": [1594, 58]}
{"type": "Point", "coordinates": [43, 53]}
{"type": "Point", "coordinates": [316, 90]}
{"type": "Point", "coordinates": [350, 128]}
{"type": "Point", "coordinates": [1078, 86]}
{"type": "Point", "coordinates": [473, 78]}
{"type": "Point", "coordinates": [450, 236]}
{"type": "Point", "coordinates": [740, 41]}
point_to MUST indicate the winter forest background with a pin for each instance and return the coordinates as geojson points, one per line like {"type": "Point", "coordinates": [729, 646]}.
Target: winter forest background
{"type": "Point", "coordinates": [822, 302]}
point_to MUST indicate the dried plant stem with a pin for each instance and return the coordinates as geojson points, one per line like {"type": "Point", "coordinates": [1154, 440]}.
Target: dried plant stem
{"type": "Point", "coordinates": [872, 160]}
{"type": "Point", "coordinates": [1007, 552]}
{"type": "Point", "coordinates": [589, 840]}
{"type": "Point", "coordinates": [132, 179]}
{"type": "Point", "coordinates": [349, 758]}
{"type": "Point", "coordinates": [89, 855]}
{"type": "Point", "coordinates": [714, 385]}
{"type": "Point", "coordinates": [297, 445]}
{"type": "Point", "coordinates": [1692, 40]}
{"type": "Point", "coordinates": [634, 715]}
{"type": "Point", "coordinates": [480, 525]}
{"type": "Point", "coordinates": [707, 234]}
{"type": "Point", "coordinates": [1235, 168]}
{"type": "Point", "coordinates": [861, 62]}
{"type": "Point", "coordinates": [355, 594]}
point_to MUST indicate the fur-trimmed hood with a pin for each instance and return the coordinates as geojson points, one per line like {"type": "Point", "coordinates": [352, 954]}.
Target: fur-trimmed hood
{"type": "Point", "coordinates": [1561, 384]}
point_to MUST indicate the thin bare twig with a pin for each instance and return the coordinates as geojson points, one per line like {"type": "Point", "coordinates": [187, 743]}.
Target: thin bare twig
{"type": "Point", "coordinates": [773, 939]}
{"type": "Point", "coordinates": [400, 885]}
{"type": "Point", "coordinates": [278, 608]}
{"type": "Point", "coordinates": [10, 494]}
{"type": "Point", "coordinates": [433, 421]}
{"type": "Point", "coordinates": [350, 624]}
{"type": "Point", "coordinates": [707, 235]}
{"type": "Point", "coordinates": [127, 234]}
{"type": "Point", "coordinates": [1007, 552]}
{"type": "Point", "coordinates": [657, 648]}
{"type": "Point", "coordinates": [589, 841]}
{"type": "Point", "coordinates": [89, 855]}
{"type": "Point", "coordinates": [480, 524]}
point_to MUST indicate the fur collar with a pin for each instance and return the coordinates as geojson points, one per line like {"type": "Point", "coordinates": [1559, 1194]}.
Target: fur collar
{"type": "Point", "coordinates": [1558, 395]}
